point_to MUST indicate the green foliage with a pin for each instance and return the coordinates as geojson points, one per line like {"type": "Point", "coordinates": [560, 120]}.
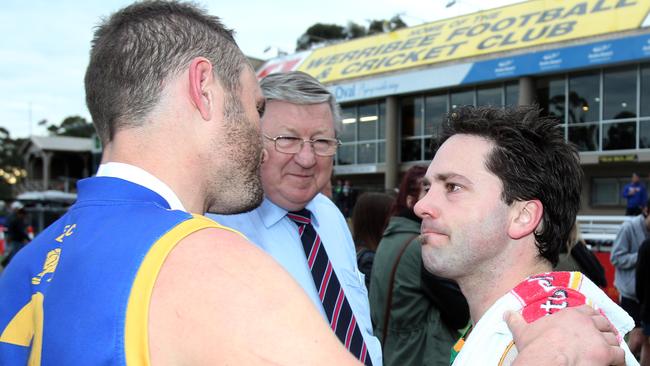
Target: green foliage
{"type": "Point", "coordinates": [73, 126]}
{"type": "Point", "coordinates": [10, 159]}
{"type": "Point", "coordinates": [320, 33]}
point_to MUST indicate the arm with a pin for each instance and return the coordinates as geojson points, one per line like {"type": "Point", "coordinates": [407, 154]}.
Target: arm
{"type": "Point", "coordinates": [571, 337]}
{"type": "Point", "coordinates": [220, 300]}
{"type": "Point", "coordinates": [622, 257]}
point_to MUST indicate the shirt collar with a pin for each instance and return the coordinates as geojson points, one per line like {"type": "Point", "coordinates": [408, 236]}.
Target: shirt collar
{"type": "Point", "coordinates": [271, 213]}
{"type": "Point", "coordinates": [141, 177]}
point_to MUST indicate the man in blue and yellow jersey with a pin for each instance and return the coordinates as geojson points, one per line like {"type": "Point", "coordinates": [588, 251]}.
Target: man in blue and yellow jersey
{"type": "Point", "coordinates": [134, 274]}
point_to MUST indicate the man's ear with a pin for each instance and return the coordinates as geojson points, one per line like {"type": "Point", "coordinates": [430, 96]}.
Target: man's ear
{"type": "Point", "coordinates": [527, 216]}
{"type": "Point", "coordinates": [201, 77]}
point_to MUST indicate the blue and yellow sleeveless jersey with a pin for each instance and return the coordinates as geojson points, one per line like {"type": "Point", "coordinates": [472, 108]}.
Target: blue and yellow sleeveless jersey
{"type": "Point", "coordinates": [79, 293]}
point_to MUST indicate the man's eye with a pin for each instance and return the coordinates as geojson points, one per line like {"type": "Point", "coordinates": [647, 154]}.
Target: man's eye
{"type": "Point", "coordinates": [323, 143]}
{"type": "Point", "coordinates": [452, 187]}
{"type": "Point", "coordinates": [287, 140]}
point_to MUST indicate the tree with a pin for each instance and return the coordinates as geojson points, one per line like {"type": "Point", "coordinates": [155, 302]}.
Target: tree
{"type": "Point", "coordinates": [74, 126]}
{"type": "Point", "coordinates": [355, 30]}
{"type": "Point", "coordinates": [10, 163]}
{"type": "Point", "coordinates": [384, 26]}
{"type": "Point", "coordinates": [320, 33]}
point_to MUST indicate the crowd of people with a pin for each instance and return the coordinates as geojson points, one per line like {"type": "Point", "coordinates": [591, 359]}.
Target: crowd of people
{"type": "Point", "coordinates": [205, 236]}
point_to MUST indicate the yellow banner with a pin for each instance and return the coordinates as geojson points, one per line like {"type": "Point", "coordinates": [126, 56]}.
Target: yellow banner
{"type": "Point", "coordinates": [525, 24]}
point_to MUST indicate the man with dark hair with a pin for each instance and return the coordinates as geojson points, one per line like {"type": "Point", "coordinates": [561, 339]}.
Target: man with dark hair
{"type": "Point", "coordinates": [503, 193]}
{"type": "Point", "coordinates": [133, 274]}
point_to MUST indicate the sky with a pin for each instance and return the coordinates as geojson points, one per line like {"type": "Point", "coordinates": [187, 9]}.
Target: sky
{"type": "Point", "coordinates": [44, 44]}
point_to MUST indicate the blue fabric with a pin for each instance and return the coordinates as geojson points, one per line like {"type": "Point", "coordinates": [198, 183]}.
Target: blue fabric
{"type": "Point", "coordinates": [270, 229]}
{"type": "Point", "coordinates": [85, 299]}
{"type": "Point", "coordinates": [637, 199]}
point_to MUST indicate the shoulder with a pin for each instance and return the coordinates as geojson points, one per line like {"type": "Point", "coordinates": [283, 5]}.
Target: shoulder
{"type": "Point", "coordinates": [204, 296]}
{"type": "Point", "coordinates": [321, 202]}
{"type": "Point", "coordinates": [326, 213]}
{"type": "Point", "coordinates": [203, 272]}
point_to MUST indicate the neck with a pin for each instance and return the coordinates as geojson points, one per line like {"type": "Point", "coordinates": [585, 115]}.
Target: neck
{"type": "Point", "coordinates": [485, 286]}
{"type": "Point", "coordinates": [132, 147]}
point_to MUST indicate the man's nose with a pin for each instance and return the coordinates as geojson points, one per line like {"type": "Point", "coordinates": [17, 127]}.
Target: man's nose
{"type": "Point", "coordinates": [306, 157]}
{"type": "Point", "coordinates": [427, 206]}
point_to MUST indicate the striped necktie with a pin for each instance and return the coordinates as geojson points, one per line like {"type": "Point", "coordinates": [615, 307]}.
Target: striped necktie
{"type": "Point", "coordinates": [336, 306]}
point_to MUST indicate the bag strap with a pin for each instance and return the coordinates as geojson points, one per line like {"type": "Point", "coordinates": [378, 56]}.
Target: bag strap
{"type": "Point", "coordinates": [389, 298]}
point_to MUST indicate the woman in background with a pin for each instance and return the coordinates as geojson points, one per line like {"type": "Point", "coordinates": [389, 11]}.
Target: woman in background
{"type": "Point", "coordinates": [369, 219]}
{"type": "Point", "coordinates": [416, 315]}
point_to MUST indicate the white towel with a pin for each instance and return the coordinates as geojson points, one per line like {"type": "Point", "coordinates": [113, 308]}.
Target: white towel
{"type": "Point", "coordinates": [490, 341]}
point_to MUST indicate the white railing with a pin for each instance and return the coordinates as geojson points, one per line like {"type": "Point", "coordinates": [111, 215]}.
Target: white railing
{"type": "Point", "coordinates": [600, 230]}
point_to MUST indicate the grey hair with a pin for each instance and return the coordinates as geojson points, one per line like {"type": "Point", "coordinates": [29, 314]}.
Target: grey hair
{"type": "Point", "coordinates": [298, 87]}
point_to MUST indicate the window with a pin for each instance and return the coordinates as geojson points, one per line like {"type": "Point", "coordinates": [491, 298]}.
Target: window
{"type": "Point", "coordinates": [619, 136]}
{"type": "Point", "coordinates": [368, 120]}
{"type": "Point", "coordinates": [362, 134]}
{"type": "Point", "coordinates": [345, 153]}
{"type": "Point", "coordinates": [585, 137]}
{"type": "Point", "coordinates": [512, 94]}
{"type": "Point", "coordinates": [584, 98]}
{"type": "Point", "coordinates": [551, 97]}
{"type": "Point", "coordinates": [348, 132]}
{"type": "Point", "coordinates": [411, 117]}
{"type": "Point", "coordinates": [461, 98]}
{"type": "Point", "coordinates": [489, 96]}
{"type": "Point", "coordinates": [644, 135]}
{"type": "Point", "coordinates": [435, 109]}
{"type": "Point", "coordinates": [607, 191]}
{"type": "Point", "coordinates": [619, 93]}
{"type": "Point", "coordinates": [645, 90]}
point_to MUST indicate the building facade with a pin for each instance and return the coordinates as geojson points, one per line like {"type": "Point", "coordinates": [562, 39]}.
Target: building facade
{"type": "Point", "coordinates": [586, 63]}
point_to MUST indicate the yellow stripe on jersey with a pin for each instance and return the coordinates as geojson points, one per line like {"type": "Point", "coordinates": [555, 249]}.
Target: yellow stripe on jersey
{"type": "Point", "coordinates": [136, 336]}
{"type": "Point", "coordinates": [20, 329]}
{"type": "Point", "coordinates": [576, 280]}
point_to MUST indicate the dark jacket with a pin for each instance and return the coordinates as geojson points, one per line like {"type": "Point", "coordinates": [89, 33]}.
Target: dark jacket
{"type": "Point", "coordinates": [417, 334]}
{"type": "Point", "coordinates": [643, 281]}
{"type": "Point", "coordinates": [583, 260]}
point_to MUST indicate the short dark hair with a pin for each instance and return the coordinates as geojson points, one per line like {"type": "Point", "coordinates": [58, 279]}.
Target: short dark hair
{"type": "Point", "coordinates": [532, 160]}
{"type": "Point", "coordinates": [137, 48]}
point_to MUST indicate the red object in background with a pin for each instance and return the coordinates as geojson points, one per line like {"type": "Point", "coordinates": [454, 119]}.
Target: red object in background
{"type": "Point", "coordinates": [282, 66]}
{"type": "Point", "coordinates": [30, 232]}
{"type": "Point", "coordinates": [604, 259]}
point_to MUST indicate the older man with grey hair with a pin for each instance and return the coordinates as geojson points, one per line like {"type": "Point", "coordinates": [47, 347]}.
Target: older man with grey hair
{"type": "Point", "coordinates": [296, 224]}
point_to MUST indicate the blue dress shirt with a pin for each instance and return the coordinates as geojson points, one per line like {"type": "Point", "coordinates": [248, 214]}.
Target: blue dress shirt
{"type": "Point", "coordinates": [270, 229]}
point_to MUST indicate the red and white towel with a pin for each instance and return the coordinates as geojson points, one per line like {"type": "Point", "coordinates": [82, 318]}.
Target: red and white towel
{"type": "Point", "coordinates": [490, 342]}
